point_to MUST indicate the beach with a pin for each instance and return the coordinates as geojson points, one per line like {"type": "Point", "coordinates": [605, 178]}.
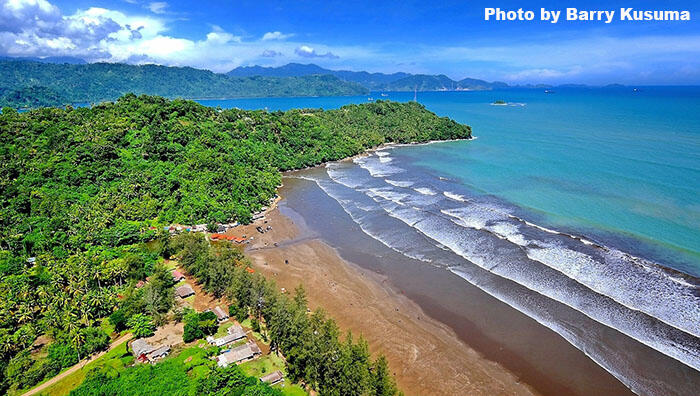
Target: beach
{"type": "Point", "coordinates": [431, 348]}
{"type": "Point", "coordinates": [426, 356]}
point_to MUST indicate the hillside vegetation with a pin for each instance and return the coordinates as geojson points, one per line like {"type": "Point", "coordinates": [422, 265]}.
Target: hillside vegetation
{"type": "Point", "coordinates": [82, 190]}
{"type": "Point", "coordinates": [34, 84]}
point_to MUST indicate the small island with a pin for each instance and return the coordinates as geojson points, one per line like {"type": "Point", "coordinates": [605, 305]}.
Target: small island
{"type": "Point", "coordinates": [499, 103]}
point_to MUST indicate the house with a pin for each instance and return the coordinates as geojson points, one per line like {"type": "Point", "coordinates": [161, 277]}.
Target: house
{"type": "Point", "coordinates": [159, 353]}
{"type": "Point", "coordinates": [178, 276]}
{"type": "Point", "coordinates": [220, 314]}
{"type": "Point", "coordinates": [141, 349]}
{"type": "Point", "coordinates": [273, 378]}
{"type": "Point", "coordinates": [239, 354]}
{"type": "Point", "coordinates": [145, 352]}
{"type": "Point", "coordinates": [221, 341]}
{"type": "Point", "coordinates": [184, 291]}
{"type": "Point", "coordinates": [237, 331]}
{"type": "Point", "coordinates": [140, 284]}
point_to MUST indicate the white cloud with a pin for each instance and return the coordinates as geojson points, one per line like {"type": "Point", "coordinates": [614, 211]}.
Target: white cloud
{"type": "Point", "coordinates": [158, 7]}
{"type": "Point", "coordinates": [276, 36]}
{"type": "Point", "coordinates": [308, 52]}
{"type": "Point", "coordinates": [38, 28]}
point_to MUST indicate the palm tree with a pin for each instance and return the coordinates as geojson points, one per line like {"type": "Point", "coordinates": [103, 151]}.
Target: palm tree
{"type": "Point", "coordinates": [78, 339]}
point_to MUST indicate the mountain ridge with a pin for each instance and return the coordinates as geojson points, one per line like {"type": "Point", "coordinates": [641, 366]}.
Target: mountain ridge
{"type": "Point", "coordinates": [29, 83]}
{"type": "Point", "coordinates": [398, 81]}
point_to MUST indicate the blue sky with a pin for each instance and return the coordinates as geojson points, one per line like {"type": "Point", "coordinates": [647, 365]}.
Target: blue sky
{"type": "Point", "coordinates": [447, 37]}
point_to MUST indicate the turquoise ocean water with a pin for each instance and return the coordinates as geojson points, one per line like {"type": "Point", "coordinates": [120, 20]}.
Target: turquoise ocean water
{"type": "Point", "coordinates": [614, 164]}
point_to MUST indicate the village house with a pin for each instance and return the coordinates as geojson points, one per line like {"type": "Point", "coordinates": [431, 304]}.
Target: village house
{"type": "Point", "coordinates": [236, 330]}
{"type": "Point", "coordinates": [273, 378]}
{"type": "Point", "coordinates": [221, 341]}
{"type": "Point", "coordinates": [199, 228]}
{"type": "Point", "coordinates": [221, 315]}
{"type": "Point", "coordinates": [159, 353]}
{"type": "Point", "coordinates": [235, 333]}
{"type": "Point", "coordinates": [178, 276]}
{"type": "Point", "coordinates": [145, 352]}
{"type": "Point", "coordinates": [239, 354]}
{"type": "Point", "coordinates": [184, 291]}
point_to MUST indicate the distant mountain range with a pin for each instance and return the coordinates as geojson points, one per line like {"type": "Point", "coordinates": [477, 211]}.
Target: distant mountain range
{"type": "Point", "coordinates": [30, 83]}
{"type": "Point", "coordinates": [55, 81]}
{"type": "Point", "coordinates": [372, 81]}
{"type": "Point", "coordinates": [49, 59]}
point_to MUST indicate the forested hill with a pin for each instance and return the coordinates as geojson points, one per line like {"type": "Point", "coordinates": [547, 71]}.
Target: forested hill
{"type": "Point", "coordinates": [72, 178]}
{"type": "Point", "coordinates": [34, 84]}
{"type": "Point", "coordinates": [81, 190]}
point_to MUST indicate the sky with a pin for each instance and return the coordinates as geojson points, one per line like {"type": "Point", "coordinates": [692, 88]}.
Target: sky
{"type": "Point", "coordinates": [432, 37]}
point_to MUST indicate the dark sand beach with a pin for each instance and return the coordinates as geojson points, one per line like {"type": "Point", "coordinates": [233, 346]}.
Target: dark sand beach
{"type": "Point", "coordinates": [440, 334]}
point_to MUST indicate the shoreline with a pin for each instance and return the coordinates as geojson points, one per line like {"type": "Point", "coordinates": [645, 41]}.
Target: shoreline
{"type": "Point", "coordinates": [438, 307]}
{"type": "Point", "coordinates": [425, 355]}
{"type": "Point", "coordinates": [534, 354]}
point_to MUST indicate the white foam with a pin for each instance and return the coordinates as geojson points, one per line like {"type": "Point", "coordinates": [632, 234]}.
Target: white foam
{"type": "Point", "coordinates": [385, 160]}
{"type": "Point", "coordinates": [454, 196]}
{"type": "Point", "coordinates": [341, 176]}
{"type": "Point", "coordinates": [377, 168]}
{"type": "Point", "coordinates": [387, 194]}
{"type": "Point", "coordinates": [508, 232]}
{"type": "Point", "coordinates": [612, 364]}
{"type": "Point", "coordinates": [425, 191]}
{"type": "Point", "coordinates": [629, 280]}
{"type": "Point", "coordinates": [475, 216]}
{"type": "Point", "coordinates": [540, 227]}
{"type": "Point", "coordinates": [397, 183]}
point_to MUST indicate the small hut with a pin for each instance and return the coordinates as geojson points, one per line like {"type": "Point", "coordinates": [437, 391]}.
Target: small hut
{"type": "Point", "coordinates": [184, 291]}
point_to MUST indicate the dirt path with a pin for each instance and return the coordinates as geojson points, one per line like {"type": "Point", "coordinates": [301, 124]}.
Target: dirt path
{"type": "Point", "coordinates": [78, 366]}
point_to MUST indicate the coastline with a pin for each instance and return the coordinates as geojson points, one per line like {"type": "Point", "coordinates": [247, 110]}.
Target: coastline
{"type": "Point", "coordinates": [425, 355]}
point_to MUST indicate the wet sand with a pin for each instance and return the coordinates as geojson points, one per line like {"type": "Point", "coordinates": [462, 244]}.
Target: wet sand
{"type": "Point", "coordinates": [426, 356]}
{"type": "Point", "coordinates": [447, 336]}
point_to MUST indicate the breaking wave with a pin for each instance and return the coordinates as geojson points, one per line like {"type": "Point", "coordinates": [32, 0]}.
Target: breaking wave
{"type": "Point", "coordinates": [635, 296]}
